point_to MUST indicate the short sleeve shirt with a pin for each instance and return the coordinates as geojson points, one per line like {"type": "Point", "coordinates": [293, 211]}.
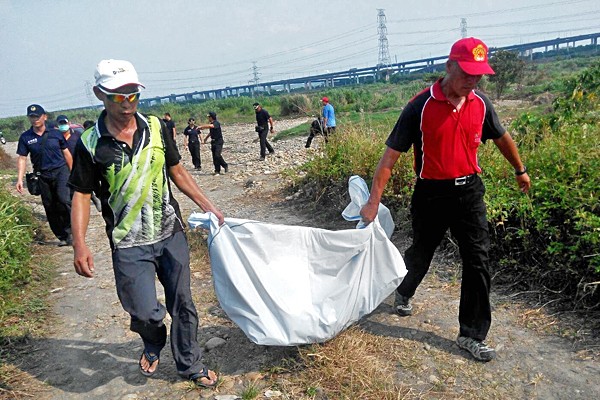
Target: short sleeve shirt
{"type": "Point", "coordinates": [132, 183]}
{"type": "Point", "coordinates": [445, 140]}
{"type": "Point", "coordinates": [262, 118]}
{"type": "Point", "coordinates": [216, 135]}
{"type": "Point", "coordinates": [170, 126]}
{"type": "Point", "coordinates": [192, 134]}
{"type": "Point", "coordinates": [51, 157]}
{"type": "Point", "coordinates": [329, 113]}
{"type": "Point", "coordinates": [72, 140]}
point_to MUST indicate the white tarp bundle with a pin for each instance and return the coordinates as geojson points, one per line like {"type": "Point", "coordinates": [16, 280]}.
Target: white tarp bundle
{"type": "Point", "coordinates": [290, 285]}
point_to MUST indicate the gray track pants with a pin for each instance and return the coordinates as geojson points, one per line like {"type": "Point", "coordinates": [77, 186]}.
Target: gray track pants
{"type": "Point", "coordinates": [135, 269]}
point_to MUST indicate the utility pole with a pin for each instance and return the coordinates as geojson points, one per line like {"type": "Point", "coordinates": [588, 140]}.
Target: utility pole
{"type": "Point", "coordinates": [463, 28]}
{"type": "Point", "coordinates": [384, 51]}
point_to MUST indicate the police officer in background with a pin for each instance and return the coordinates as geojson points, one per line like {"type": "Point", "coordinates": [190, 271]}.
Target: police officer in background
{"type": "Point", "coordinates": [191, 133]}
{"type": "Point", "coordinates": [263, 120]}
{"type": "Point", "coordinates": [52, 162]}
{"type": "Point", "coordinates": [445, 124]}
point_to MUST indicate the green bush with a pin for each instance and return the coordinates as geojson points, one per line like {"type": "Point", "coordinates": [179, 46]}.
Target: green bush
{"type": "Point", "coordinates": [16, 234]}
{"type": "Point", "coordinates": [551, 238]}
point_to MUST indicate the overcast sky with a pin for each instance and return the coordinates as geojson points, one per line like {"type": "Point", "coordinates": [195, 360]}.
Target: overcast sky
{"type": "Point", "coordinates": [50, 48]}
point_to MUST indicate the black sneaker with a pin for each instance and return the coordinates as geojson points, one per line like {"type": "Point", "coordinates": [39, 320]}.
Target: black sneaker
{"type": "Point", "coordinates": [403, 306]}
{"type": "Point", "coordinates": [63, 243]}
{"type": "Point", "coordinates": [226, 169]}
{"type": "Point", "coordinates": [478, 349]}
{"type": "Point", "coordinates": [261, 159]}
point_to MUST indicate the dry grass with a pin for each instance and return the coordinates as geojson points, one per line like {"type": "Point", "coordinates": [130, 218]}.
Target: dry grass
{"type": "Point", "coordinates": [16, 384]}
{"type": "Point", "coordinates": [351, 366]}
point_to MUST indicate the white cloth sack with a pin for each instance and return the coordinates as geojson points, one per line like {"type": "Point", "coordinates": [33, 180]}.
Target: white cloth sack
{"type": "Point", "coordinates": [291, 285]}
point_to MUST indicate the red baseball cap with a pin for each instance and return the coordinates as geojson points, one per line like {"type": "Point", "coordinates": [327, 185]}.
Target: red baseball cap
{"type": "Point", "coordinates": [325, 100]}
{"type": "Point", "coordinates": [472, 56]}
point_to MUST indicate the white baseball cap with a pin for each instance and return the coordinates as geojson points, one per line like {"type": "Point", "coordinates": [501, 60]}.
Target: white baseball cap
{"type": "Point", "coordinates": [113, 74]}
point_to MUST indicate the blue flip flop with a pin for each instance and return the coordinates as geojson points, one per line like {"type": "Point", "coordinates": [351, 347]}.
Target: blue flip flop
{"type": "Point", "coordinates": [152, 358]}
{"type": "Point", "coordinates": [197, 379]}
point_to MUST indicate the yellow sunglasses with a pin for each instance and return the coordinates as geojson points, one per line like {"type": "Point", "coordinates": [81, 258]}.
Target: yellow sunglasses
{"type": "Point", "coordinates": [120, 97]}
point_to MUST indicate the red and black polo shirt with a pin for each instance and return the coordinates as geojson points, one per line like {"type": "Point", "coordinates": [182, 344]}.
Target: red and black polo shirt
{"type": "Point", "coordinates": [445, 140]}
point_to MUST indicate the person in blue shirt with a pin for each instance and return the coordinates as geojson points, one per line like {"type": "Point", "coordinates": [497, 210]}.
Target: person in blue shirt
{"type": "Point", "coordinates": [328, 116]}
{"type": "Point", "coordinates": [52, 162]}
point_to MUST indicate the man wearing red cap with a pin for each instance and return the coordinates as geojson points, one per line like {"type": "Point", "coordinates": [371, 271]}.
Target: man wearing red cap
{"type": "Point", "coordinates": [328, 115]}
{"type": "Point", "coordinates": [445, 124]}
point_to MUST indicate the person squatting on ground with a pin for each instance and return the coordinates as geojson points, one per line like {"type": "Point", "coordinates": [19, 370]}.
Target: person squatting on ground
{"type": "Point", "coordinates": [316, 128]}
{"type": "Point", "coordinates": [130, 160]}
{"type": "Point", "coordinates": [52, 162]}
{"type": "Point", "coordinates": [191, 135]}
{"type": "Point", "coordinates": [216, 142]}
{"type": "Point", "coordinates": [328, 116]}
{"type": "Point", "coordinates": [445, 124]}
{"type": "Point", "coordinates": [263, 120]}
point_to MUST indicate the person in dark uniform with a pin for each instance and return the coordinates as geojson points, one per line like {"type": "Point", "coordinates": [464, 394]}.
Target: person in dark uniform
{"type": "Point", "coordinates": [52, 161]}
{"type": "Point", "coordinates": [71, 136]}
{"type": "Point", "coordinates": [445, 124]}
{"type": "Point", "coordinates": [192, 140]}
{"type": "Point", "coordinates": [170, 126]}
{"type": "Point", "coordinates": [263, 120]}
{"type": "Point", "coordinates": [216, 142]}
{"type": "Point", "coordinates": [316, 128]}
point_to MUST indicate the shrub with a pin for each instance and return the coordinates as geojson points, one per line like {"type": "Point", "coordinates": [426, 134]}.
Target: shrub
{"type": "Point", "coordinates": [550, 239]}
{"type": "Point", "coordinates": [16, 234]}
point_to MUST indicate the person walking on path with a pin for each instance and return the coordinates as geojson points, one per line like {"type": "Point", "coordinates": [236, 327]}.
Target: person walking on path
{"type": "Point", "coordinates": [216, 142]}
{"type": "Point", "coordinates": [130, 160]}
{"type": "Point", "coordinates": [52, 162]}
{"type": "Point", "coordinates": [445, 124]}
{"type": "Point", "coordinates": [71, 136]}
{"type": "Point", "coordinates": [263, 120]}
{"type": "Point", "coordinates": [191, 135]}
{"type": "Point", "coordinates": [328, 116]}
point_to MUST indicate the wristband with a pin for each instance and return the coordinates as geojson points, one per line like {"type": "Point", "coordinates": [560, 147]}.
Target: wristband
{"type": "Point", "coordinates": [519, 173]}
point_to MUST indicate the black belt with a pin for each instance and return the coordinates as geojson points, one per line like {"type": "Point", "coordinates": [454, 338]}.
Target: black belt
{"type": "Point", "coordinates": [460, 181]}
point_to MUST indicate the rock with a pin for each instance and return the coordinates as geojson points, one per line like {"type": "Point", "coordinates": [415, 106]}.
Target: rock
{"type": "Point", "coordinates": [270, 394]}
{"type": "Point", "coordinates": [253, 376]}
{"type": "Point", "coordinates": [214, 342]}
{"type": "Point", "coordinates": [227, 397]}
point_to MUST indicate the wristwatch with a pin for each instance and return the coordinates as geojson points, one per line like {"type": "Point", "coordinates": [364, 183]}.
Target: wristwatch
{"type": "Point", "coordinates": [519, 173]}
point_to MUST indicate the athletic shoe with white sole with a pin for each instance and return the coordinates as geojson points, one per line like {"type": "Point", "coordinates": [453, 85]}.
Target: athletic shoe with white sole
{"type": "Point", "coordinates": [478, 349]}
{"type": "Point", "coordinates": [402, 305]}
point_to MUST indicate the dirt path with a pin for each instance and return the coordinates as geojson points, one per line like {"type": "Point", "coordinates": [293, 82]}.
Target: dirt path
{"type": "Point", "coordinates": [89, 352]}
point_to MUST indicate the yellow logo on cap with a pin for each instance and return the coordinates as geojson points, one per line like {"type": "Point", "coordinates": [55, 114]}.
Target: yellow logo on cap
{"type": "Point", "coordinates": [479, 53]}
{"type": "Point", "coordinates": [32, 108]}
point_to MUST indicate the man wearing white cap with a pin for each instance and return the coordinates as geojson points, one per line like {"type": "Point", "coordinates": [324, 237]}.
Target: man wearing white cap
{"type": "Point", "coordinates": [129, 160]}
{"type": "Point", "coordinates": [445, 124]}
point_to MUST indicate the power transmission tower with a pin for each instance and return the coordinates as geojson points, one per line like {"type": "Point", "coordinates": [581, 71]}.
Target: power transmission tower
{"type": "Point", "coordinates": [255, 74]}
{"type": "Point", "coordinates": [255, 77]}
{"type": "Point", "coordinates": [89, 93]}
{"type": "Point", "coordinates": [463, 28]}
{"type": "Point", "coordinates": [384, 51]}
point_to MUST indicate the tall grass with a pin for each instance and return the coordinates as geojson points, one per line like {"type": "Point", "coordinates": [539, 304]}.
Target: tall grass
{"type": "Point", "coordinates": [16, 234]}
